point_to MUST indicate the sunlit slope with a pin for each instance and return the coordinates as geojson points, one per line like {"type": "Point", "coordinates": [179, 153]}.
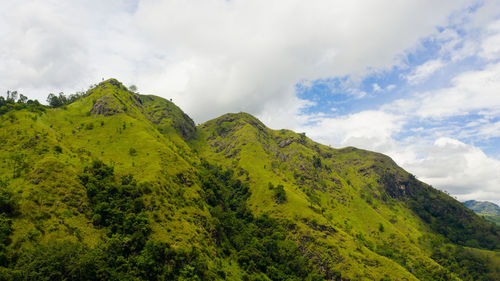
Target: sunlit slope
{"type": "Point", "coordinates": [356, 209]}
{"type": "Point", "coordinates": [123, 129]}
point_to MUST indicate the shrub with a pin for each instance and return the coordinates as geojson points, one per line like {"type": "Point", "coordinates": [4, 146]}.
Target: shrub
{"type": "Point", "coordinates": [280, 194]}
{"type": "Point", "coordinates": [58, 149]}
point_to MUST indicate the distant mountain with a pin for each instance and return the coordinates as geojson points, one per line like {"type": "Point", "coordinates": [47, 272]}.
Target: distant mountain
{"type": "Point", "coordinates": [114, 185]}
{"type": "Point", "coordinates": [488, 210]}
{"type": "Point", "coordinates": [483, 207]}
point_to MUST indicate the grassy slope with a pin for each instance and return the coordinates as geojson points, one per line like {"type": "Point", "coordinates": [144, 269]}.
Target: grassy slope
{"type": "Point", "coordinates": [345, 220]}
{"type": "Point", "coordinates": [344, 193]}
{"type": "Point", "coordinates": [53, 200]}
{"type": "Point", "coordinates": [492, 218]}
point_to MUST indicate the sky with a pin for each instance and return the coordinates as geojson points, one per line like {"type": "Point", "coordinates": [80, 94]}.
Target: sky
{"type": "Point", "coordinates": [416, 80]}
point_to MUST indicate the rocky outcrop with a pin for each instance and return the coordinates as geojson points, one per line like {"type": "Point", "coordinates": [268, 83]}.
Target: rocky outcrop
{"type": "Point", "coordinates": [106, 106]}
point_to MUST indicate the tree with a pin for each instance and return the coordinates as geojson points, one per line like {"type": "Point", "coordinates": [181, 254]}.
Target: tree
{"type": "Point", "coordinates": [313, 199]}
{"type": "Point", "coordinates": [54, 100]}
{"type": "Point", "coordinates": [22, 99]}
{"type": "Point", "coordinates": [280, 194]}
{"type": "Point", "coordinates": [11, 96]}
{"type": "Point", "coordinates": [133, 88]}
{"type": "Point", "coordinates": [316, 162]}
{"type": "Point", "coordinates": [18, 163]}
{"type": "Point", "coordinates": [380, 227]}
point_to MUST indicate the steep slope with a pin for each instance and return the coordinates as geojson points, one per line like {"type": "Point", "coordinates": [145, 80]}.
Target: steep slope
{"type": "Point", "coordinates": [364, 212]}
{"type": "Point", "coordinates": [123, 186]}
{"type": "Point", "coordinates": [48, 152]}
{"type": "Point", "coordinates": [488, 210]}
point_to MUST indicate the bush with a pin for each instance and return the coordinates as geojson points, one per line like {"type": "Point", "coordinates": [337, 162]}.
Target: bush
{"type": "Point", "coordinates": [58, 149]}
{"type": "Point", "coordinates": [381, 227]}
{"type": "Point", "coordinates": [316, 162]}
{"type": "Point", "coordinates": [89, 126]}
{"type": "Point", "coordinates": [280, 194]}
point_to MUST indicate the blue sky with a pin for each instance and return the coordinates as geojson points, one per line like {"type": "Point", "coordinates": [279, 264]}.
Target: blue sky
{"type": "Point", "coordinates": [416, 80]}
{"type": "Point", "coordinates": [451, 145]}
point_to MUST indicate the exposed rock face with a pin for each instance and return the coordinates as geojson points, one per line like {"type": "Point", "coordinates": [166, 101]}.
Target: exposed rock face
{"type": "Point", "coordinates": [106, 106]}
{"type": "Point", "coordinates": [285, 142]}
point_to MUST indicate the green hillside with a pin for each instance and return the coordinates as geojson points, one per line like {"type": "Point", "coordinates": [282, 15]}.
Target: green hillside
{"type": "Point", "coordinates": [114, 185]}
{"type": "Point", "coordinates": [488, 210]}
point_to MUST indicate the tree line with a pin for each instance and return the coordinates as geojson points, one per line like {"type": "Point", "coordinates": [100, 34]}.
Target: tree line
{"type": "Point", "coordinates": [14, 101]}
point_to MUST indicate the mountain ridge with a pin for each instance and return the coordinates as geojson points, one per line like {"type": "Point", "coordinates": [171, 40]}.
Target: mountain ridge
{"type": "Point", "coordinates": [200, 192]}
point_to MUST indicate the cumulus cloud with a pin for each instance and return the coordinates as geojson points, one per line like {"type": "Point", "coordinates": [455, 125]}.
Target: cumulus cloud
{"type": "Point", "coordinates": [470, 91]}
{"type": "Point", "coordinates": [373, 130]}
{"type": "Point", "coordinates": [490, 46]}
{"type": "Point", "coordinates": [229, 55]}
{"type": "Point", "coordinates": [459, 168]}
{"type": "Point", "coordinates": [247, 54]}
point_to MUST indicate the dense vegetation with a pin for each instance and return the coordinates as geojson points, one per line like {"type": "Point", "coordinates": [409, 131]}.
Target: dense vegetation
{"type": "Point", "coordinates": [466, 263]}
{"type": "Point", "coordinates": [444, 214]}
{"type": "Point", "coordinates": [126, 254]}
{"type": "Point", "coordinates": [62, 99]}
{"type": "Point", "coordinates": [15, 101]}
{"type": "Point", "coordinates": [259, 244]}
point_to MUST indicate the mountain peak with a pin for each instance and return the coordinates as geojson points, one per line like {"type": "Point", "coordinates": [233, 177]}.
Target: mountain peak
{"type": "Point", "coordinates": [112, 82]}
{"type": "Point", "coordinates": [231, 122]}
{"type": "Point", "coordinates": [111, 97]}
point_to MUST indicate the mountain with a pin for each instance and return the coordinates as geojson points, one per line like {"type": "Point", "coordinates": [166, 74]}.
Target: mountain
{"type": "Point", "coordinates": [483, 207]}
{"type": "Point", "coordinates": [488, 210]}
{"type": "Point", "coordinates": [115, 185]}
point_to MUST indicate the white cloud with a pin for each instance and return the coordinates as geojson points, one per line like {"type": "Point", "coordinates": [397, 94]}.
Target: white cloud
{"type": "Point", "coordinates": [372, 130]}
{"type": "Point", "coordinates": [252, 52]}
{"type": "Point", "coordinates": [390, 87]}
{"type": "Point", "coordinates": [462, 169]}
{"type": "Point", "coordinates": [469, 91]}
{"type": "Point", "coordinates": [423, 71]}
{"type": "Point", "coordinates": [490, 46]}
{"type": "Point", "coordinates": [212, 56]}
